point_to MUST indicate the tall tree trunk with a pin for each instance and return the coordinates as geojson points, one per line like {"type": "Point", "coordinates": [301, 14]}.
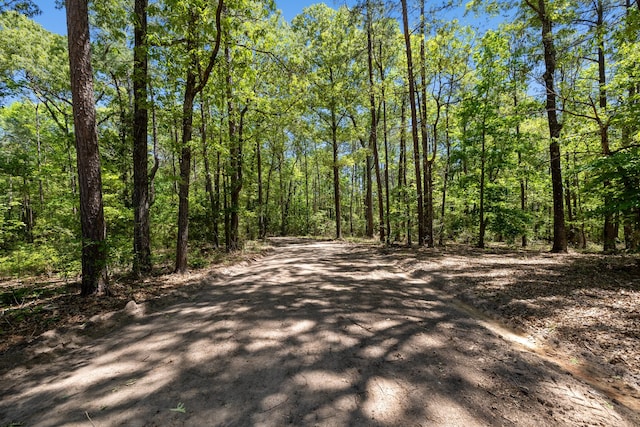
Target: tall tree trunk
{"type": "Point", "coordinates": [632, 214]}
{"type": "Point", "coordinates": [428, 150]}
{"type": "Point", "coordinates": [141, 224]}
{"type": "Point", "coordinates": [262, 231]}
{"type": "Point", "coordinates": [185, 175]}
{"type": "Point", "coordinates": [236, 125]}
{"type": "Point", "coordinates": [385, 133]}
{"type": "Point", "coordinates": [373, 131]}
{"type": "Point", "coordinates": [94, 249]}
{"type": "Point", "coordinates": [402, 169]}
{"type": "Point", "coordinates": [306, 194]}
{"type": "Point", "coordinates": [192, 88]}
{"type": "Point", "coordinates": [268, 192]}
{"type": "Point", "coordinates": [483, 162]}
{"type": "Point", "coordinates": [414, 123]}
{"type": "Point", "coordinates": [559, 230]}
{"type": "Point", "coordinates": [27, 209]}
{"type": "Point", "coordinates": [609, 228]}
{"type": "Point", "coordinates": [39, 147]}
{"type": "Point", "coordinates": [156, 157]}
{"type": "Point", "coordinates": [336, 173]}
{"type": "Point", "coordinates": [447, 171]}
{"type": "Point", "coordinates": [217, 192]}
{"type": "Point", "coordinates": [352, 196]}
{"type": "Point", "coordinates": [386, 161]}
{"type": "Point", "coordinates": [368, 198]}
{"type": "Point", "coordinates": [208, 181]}
{"type": "Point", "coordinates": [523, 193]}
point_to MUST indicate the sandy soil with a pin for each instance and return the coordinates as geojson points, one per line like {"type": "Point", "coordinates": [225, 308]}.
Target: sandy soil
{"type": "Point", "coordinates": [315, 333]}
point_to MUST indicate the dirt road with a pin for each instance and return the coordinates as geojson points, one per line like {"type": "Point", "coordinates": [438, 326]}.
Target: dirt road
{"type": "Point", "coordinates": [315, 333]}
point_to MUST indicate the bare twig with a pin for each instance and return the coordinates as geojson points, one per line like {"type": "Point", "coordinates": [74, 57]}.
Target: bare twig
{"type": "Point", "coordinates": [89, 418]}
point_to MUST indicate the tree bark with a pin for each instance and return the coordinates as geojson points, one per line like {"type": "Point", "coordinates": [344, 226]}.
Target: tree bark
{"type": "Point", "coordinates": [483, 162]}
{"type": "Point", "coordinates": [445, 178]}
{"type": "Point", "coordinates": [428, 152]}
{"type": "Point", "coordinates": [262, 230]}
{"type": "Point", "coordinates": [414, 123]}
{"type": "Point", "coordinates": [402, 169]}
{"type": "Point", "coordinates": [336, 173]}
{"type": "Point", "coordinates": [94, 248]}
{"type": "Point", "coordinates": [235, 157]}
{"type": "Point", "coordinates": [208, 181]}
{"type": "Point", "coordinates": [386, 152]}
{"type": "Point", "coordinates": [185, 175]}
{"type": "Point", "coordinates": [555, 127]}
{"type": "Point", "coordinates": [609, 228]}
{"type": "Point", "coordinates": [373, 131]}
{"type": "Point", "coordinates": [141, 205]}
{"type": "Point", "coordinates": [192, 88]}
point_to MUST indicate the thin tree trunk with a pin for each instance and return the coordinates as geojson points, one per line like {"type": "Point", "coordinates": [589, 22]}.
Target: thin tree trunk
{"type": "Point", "coordinates": [208, 181]}
{"type": "Point", "coordinates": [402, 169]}
{"type": "Point", "coordinates": [373, 131]}
{"type": "Point", "coordinates": [428, 155]}
{"type": "Point", "coordinates": [336, 173]}
{"type": "Point", "coordinates": [609, 229]}
{"type": "Point", "coordinates": [235, 157]}
{"type": "Point", "coordinates": [192, 88]}
{"type": "Point", "coordinates": [414, 123]}
{"type": "Point", "coordinates": [445, 179]}
{"type": "Point", "coordinates": [73, 177]}
{"type": "Point", "coordinates": [523, 195]}
{"type": "Point", "coordinates": [216, 190]}
{"type": "Point", "coordinates": [483, 162]}
{"type": "Point", "coordinates": [156, 158]}
{"type": "Point", "coordinates": [354, 171]}
{"type": "Point", "coordinates": [268, 192]}
{"type": "Point", "coordinates": [185, 175]}
{"type": "Point", "coordinates": [39, 143]}
{"type": "Point", "coordinates": [386, 164]}
{"type": "Point", "coordinates": [306, 192]}
{"type": "Point", "coordinates": [262, 231]}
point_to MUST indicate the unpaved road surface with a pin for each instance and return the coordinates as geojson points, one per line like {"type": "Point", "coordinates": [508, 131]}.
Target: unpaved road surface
{"type": "Point", "coordinates": [315, 333]}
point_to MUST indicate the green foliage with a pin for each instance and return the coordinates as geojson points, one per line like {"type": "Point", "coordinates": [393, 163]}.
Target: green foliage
{"type": "Point", "coordinates": [509, 222]}
{"type": "Point", "coordinates": [621, 171]}
{"type": "Point", "coordinates": [302, 85]}
{"type": "Point", "coordinates": [28, 260]}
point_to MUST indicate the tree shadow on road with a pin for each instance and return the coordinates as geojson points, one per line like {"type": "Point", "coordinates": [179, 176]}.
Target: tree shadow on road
{"type": "Point", "coordinates": [317, 333]}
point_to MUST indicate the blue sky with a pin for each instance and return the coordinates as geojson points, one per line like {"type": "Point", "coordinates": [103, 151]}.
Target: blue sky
{"type": "Point", "coordinates": [54, 20]}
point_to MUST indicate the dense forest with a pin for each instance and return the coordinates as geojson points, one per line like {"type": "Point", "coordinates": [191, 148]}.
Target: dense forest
{"type": "Point", "coordinates": [219, 122]}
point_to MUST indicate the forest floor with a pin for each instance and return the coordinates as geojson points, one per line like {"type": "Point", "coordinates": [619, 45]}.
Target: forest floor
{"type": "Point", "coordinates": [333, 333]}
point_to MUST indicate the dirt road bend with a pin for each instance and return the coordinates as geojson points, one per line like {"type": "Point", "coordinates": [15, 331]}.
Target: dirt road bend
{"type": "Point", "coordinates": [313, 334]}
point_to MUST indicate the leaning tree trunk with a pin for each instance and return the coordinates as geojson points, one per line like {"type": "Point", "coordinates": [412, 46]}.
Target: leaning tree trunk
{"type": "Point", "coordinates": [94, 250]}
